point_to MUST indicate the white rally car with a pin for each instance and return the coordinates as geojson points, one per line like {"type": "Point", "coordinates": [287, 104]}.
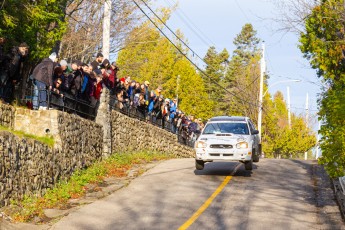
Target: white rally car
{"type": "Point", "coordinates": [228, 138]}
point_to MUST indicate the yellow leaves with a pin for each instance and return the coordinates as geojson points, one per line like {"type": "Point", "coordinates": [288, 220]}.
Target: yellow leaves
{"type": "Point", "coordinates": [9, 20]}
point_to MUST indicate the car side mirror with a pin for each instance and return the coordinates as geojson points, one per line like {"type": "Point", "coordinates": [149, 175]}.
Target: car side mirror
{"type": "Point", "coordinates": [255, 132]}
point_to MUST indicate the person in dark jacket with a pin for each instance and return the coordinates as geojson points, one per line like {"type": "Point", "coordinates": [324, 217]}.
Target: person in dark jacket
{"type": "Point", "coordinates": [4, 63]}
{"type": "Point", "coordinates": [97, 63]}
{"type": "Point", "coordinates": [57, 94]}
{"type": "Point", "coordinates": [43, 75]}
{"type": "Point", "coordinates": [14, 70]}
{"type": "Point", "coordinates": [142, 108]}
{"type": "Point", "coordinates": [75, 79]}
{"type": "Point", "coordinates": [158, 109]}
{"type": "Point", "coordinates": [2, 53]}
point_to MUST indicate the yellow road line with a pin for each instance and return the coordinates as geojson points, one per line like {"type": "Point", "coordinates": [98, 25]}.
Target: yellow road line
{"type": "Point", "coordinates": [205, 205]}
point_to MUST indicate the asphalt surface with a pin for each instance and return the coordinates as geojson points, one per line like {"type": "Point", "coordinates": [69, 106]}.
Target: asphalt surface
{"type": "Point", "coordinates": [277, 194]}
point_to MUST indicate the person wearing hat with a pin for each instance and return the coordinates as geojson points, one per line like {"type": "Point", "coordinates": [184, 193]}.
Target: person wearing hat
{"type": "Point", "coordinates": [147, 90]}
{"type": "Point", "coordinates": [43, 75]}
{"type": "Point", "coordinates": [66, 69]}
{"type": "Point", "coordinates": [159, 90]}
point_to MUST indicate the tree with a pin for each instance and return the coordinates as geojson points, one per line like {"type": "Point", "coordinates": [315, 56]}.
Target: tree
{"type": "Point", "coordinates": [242, 77]}
{"type": "Point", "coordinates": [153, 58]}
{"type": "Point", "coordinates": [322, 43]}
{"type": "Point", "coordinates": [278, 139]}
{"type": "Point", "coordinates": [39, 23]}
{"type": "Point", "coordinates": [83, 38]}
{"type": "Point", "coordinates": [215, 69]}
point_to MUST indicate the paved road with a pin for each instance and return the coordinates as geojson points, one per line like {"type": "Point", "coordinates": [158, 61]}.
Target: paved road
{"type": "Point", "coordinates": [277, 194]}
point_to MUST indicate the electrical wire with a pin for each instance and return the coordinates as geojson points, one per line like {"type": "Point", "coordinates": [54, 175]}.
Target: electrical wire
{"type": "Point", "coordinates": [190, 25]}
{"type": "Point", "coordinates": [201, 71]}
{"type": "Point", "coordinates": [186, 44]}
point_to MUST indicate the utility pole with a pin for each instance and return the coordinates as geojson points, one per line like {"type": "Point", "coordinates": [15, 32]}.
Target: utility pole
{"type": "Point", "coordinates": [262, 74]}
{"type": "Point", "coordinates": [288, 106]}
{"type": "Point", "coordinates": [307, 111]}
{"type": "Point", "coordinates": [106, 29]}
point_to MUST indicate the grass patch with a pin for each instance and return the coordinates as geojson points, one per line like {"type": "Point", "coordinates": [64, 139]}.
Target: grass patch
{"type": "Point", "coordinates": [48, 140]}
{"type": "Point", "coordinates": [116, 165]}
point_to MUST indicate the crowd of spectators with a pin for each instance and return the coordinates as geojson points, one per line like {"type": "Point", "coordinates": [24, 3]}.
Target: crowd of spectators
{"type": "Point", "coordinates": [78, 87]}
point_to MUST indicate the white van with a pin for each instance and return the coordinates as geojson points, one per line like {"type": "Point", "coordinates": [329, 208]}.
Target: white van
{"type": "Point", "coordinates": [228, 138]}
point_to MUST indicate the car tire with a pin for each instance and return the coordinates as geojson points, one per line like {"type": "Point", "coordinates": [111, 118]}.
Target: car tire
{"type": "Point", "coordinates": [248, 165]}
{"type": "Point", "coordinates": [256, 157]}
{"type": "Point", "coordinates": [199, 165]}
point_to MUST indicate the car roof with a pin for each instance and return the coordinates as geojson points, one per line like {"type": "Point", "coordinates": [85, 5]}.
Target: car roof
{"type": "Point", "coordinates": [228, 118]}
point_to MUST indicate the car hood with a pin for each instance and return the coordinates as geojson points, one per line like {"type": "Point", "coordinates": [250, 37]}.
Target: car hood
{"type": "Point", "coordinates": [228, 138]}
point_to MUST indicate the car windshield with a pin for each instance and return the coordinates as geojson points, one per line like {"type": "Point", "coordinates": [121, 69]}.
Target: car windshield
{"type": "Point", "coordinates": [235, 128]}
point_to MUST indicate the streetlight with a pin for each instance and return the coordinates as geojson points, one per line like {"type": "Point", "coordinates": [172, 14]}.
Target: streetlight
{"type": "Point", "coordinates": [261, 101]}
{"type": "Point", "coordinates": [275, 83]}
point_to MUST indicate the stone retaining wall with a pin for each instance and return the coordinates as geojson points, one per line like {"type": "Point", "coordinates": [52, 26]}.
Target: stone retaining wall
{"type": "Point", "coordinates": [28, 166]}
{"type": "Point", "coordinates": [132, 134]}
{"type": "Point", "coordinates": [81, 139]}
{"type": "Point", "coordinates": [7, 114]}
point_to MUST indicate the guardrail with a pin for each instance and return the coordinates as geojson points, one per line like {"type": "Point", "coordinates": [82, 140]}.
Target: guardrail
{"type": "Point", "coordinates": [66, 103]}
{"type": "Point", "coordinates": [342, 183]}
{"type": "Point", "coordinates": [143, 115]}
{"type": "Point", "coordinates": [339, 190]}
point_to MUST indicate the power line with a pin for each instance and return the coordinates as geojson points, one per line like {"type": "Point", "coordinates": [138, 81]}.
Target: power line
{"type": "Point", "coordinates": [201, 71]}
{"type": "Point", "coordinates": [238, 5]}
{"type": "Point", "coordinates": [161, 31]}
{"type": "Point", "coordinates": [188, 46]}
{"type": "Point", "coordinates": [170, 30]}
{"type": "Point", "coordinates": [190, 25]}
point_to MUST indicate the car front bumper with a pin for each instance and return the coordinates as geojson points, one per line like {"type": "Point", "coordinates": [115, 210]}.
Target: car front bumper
{"type": "Point", "coordinates": [207, 154]}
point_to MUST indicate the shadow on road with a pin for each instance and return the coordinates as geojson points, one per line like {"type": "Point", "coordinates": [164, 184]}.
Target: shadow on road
{"type": "Point", "coordinates": [224, 169]}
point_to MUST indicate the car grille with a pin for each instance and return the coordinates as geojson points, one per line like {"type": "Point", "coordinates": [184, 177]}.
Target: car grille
{"type": "Point", "coordinates": [224, 154]}
{"type": "Point", "coordinates": [223, 135]}
{"type": "Point", "coordinates": [221, 146]}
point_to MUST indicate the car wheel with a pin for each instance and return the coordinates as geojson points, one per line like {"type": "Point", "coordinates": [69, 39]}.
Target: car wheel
{"type": "Point", "coordinates": [199, 165]}
{"type": "Point", "coordinates": [248, 165]}
{"type": "Point", "coordinates": [256, 157]}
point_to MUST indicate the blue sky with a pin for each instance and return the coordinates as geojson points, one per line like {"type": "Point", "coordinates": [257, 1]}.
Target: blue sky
{"type": "Point", "coordinates": [218, 22]}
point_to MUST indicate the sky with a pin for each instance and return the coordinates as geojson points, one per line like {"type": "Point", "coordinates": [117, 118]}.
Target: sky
{"type": "Point", "coordinates": [217, 22]}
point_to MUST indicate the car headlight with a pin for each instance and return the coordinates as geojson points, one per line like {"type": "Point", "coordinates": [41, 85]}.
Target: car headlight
{"type": "Point", "coordinates": [200, 144]}
{"type": "Point", "coordinates": [242, 145]}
